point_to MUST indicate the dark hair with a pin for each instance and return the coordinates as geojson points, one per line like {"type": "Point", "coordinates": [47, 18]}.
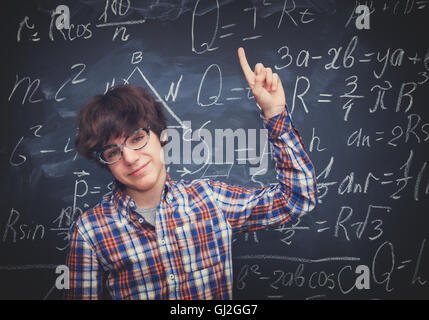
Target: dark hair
{"type": "Point", "coordinates": [120, 111]}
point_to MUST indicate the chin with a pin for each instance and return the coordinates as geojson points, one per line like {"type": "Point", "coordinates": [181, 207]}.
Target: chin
{"type": "Point", "coordinates": [145, 184]}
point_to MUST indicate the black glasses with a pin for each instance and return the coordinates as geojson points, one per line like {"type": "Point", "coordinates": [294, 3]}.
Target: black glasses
{"type": "Point", "coordinates": [113, 153]}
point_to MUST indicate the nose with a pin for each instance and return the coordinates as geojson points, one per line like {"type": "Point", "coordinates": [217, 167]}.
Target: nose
{"type": "Point", "coordinates": [129, 156]}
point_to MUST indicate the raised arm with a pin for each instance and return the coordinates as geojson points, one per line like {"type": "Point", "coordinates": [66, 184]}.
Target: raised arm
{"type": "Point", "coordinates": [295, 191]}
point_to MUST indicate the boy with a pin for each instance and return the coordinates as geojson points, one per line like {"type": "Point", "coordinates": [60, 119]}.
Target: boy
{"type": "Point", "coordinates": [155, 238]}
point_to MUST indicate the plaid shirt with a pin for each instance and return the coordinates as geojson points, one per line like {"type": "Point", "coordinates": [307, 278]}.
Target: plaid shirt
{"type": "Point", "coordinates": [188, 253]}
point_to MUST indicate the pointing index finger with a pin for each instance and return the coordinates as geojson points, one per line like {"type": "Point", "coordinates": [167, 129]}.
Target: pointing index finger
{"type": "Point", "coordinates": [248, 73]}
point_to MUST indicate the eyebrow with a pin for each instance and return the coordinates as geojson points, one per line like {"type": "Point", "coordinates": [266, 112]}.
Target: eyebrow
{"type": "Point", "coordinates": [122, 137]}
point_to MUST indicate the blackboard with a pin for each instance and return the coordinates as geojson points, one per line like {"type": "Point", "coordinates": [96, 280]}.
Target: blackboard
{"type": "Point", "coordinates": [356, 87]}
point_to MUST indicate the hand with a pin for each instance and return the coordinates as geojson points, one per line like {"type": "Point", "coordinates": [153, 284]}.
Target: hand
{"type": "Point", "coordinates": [266, 86]}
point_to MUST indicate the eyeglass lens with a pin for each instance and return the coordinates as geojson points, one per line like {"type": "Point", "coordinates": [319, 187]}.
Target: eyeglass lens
{"type": "Point", "coordinates": [135, 141]}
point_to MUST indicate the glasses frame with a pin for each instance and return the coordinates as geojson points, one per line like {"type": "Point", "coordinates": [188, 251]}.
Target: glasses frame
{"type": "Point", "coordinates": [98, 154]}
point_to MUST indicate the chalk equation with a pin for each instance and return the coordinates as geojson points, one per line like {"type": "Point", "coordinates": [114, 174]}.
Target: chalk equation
{"type": "Point", "coordinates": [356, 78]}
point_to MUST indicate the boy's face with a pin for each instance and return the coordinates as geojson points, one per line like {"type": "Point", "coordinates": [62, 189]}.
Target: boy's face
{"type": "Point", "coordinates": [140, 170]}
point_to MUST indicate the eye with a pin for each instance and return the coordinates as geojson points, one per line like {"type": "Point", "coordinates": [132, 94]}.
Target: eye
{"type": "Point", "coordinates": [138, 137]}
{"type": "Point", "coordinates": [111, 153]}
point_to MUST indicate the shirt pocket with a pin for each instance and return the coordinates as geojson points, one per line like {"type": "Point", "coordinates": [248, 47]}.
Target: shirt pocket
{"type": "Point", "coordinates": [198, 245]}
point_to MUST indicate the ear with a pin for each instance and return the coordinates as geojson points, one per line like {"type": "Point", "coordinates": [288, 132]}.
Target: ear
{"type": "Point", "coordinates": [163, 138]}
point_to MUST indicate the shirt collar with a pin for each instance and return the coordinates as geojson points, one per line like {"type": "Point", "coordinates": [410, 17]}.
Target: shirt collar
{"type": "Point", "coordinates": [123, 202]}
{"type": "Point", "coordinates": [167, 193]}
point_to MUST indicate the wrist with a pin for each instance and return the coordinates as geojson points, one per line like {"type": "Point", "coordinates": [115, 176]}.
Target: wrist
{"type": "Point", "coordinates": [274, 111]}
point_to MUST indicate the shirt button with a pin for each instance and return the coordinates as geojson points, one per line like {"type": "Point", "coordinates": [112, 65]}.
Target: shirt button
{"type": "Point", "coordinates": [162, 241]}
{"type": "Point", "coordinates": [171, 277]}
{"type": "Point", "coordinates": [141, 220]}
{"type": "Point", "coordinates": [132, 204]}
{"type": "Point", "coordinates": [124, 212]}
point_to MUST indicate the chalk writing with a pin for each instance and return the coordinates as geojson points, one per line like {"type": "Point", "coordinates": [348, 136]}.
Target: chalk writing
{"type": "Point", "coordinates": [356, 80]}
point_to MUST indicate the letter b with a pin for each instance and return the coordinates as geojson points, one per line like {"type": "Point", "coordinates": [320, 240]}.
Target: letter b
{"type": "Point", "coordinates": [137, 57]}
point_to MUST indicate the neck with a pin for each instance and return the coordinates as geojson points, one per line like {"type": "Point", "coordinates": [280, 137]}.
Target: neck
{"type": "Point", "coordinates": [149, 198]}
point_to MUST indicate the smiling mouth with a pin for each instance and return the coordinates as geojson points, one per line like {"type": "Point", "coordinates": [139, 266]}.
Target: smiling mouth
{"type": "Point", "coordinates": [139, 170]}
